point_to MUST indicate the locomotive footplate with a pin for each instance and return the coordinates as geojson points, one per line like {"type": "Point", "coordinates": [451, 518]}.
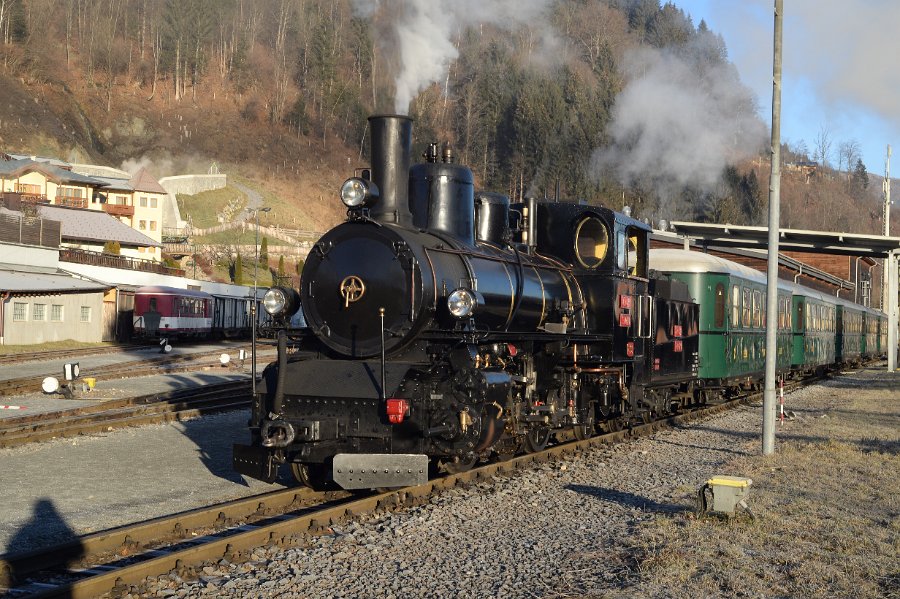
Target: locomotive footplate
{"type": "Point", "coordinates": [372, 470]}
{"type": "Point", "coordinates": [255, 462]}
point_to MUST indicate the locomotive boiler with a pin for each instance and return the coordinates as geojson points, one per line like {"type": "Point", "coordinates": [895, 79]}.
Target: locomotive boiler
{"type": "Point", "coordinates": [447, 326]}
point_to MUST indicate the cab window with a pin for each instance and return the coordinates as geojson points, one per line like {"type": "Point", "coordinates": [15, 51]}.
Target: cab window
{"type": "Point", "coordinates": [636, 254]}
{"type": "Point", "coordinates": [591, 242]}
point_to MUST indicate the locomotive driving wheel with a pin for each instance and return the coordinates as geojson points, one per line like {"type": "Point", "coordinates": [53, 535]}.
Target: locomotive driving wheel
{"type": "Point", "coordinates": [584, 431]}
{"type": "Point", "coordinates": [456, 464]}
{"type": "Point", "coordinates": [536, 439]}
{"type": "Point", "coordinates": [310, 475]}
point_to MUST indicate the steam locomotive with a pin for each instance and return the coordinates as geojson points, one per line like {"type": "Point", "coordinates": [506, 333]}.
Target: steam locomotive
{"type": "Point", "coordinates": [447, 326]}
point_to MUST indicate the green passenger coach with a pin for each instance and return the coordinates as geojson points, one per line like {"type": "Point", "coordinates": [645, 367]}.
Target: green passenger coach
{"type": "Point", "coordinates": [814, 330]}
{"type": "Point", "coordinates": [732, 300]}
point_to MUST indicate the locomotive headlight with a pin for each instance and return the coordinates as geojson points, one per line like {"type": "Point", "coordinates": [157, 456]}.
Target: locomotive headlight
{"type": "Point", "coordinates": [462, 302]}
{"type": "Point", "coordinates": [357, 192]}
{"type": "Point", "coordinates": [280, 301]}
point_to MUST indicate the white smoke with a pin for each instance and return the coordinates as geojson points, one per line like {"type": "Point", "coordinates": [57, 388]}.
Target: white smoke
{"type": "Point", "coordinates": [423, 31]}
{"type": "Point", "coordinates": [678, 122]}
{"type": "Point", "coordinates": [162, 164]}
{"type": "Point", "coordinates": [838, 70]}
{"type": "Point", "coordinates": [159, 167]}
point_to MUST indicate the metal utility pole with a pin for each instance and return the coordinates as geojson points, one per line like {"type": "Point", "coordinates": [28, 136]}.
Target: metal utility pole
{"type": "Point", "coordinates": [769, 403]}
{"type": "Point", "coordinates": [886, 219]}
{"type": "Point", "coordinates": [253, 305]}
{"type": "Point", "coordinates": [889, 273]}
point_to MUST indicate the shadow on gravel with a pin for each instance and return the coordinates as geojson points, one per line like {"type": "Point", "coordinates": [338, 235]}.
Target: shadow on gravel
{"type": "Point", "coordinates": [46, 527]}
{"type": "Point", "coordinates": [887, 382]}
{"type": "Point", "coordinates": [703, 447]}
{"type": "Point", "coordinates": [212, 438]}
{"type": "Point", "coordinates": [627, 499]}
{"type": "Point", "coordinates": [866, 444]}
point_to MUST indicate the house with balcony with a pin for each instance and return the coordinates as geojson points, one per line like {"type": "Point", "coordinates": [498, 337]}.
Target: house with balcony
{"type": "Point", "coordinates": [45, 182]}
{"type": "Point", "coordinates": [149, 199]}
{"type": "Point", "coordinates": [136, 201]}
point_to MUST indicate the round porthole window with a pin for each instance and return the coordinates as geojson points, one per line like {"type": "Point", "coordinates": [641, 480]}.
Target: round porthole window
{"type": "Point", "coordinates": [591, 242]}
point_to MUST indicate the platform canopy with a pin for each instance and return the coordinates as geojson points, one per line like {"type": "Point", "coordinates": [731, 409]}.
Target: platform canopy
{"type": "Point", "coordinates": [796, 240]}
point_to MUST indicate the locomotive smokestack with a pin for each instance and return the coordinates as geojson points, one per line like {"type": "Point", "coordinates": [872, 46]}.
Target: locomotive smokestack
{"type": "Point", "coordinates": [391, 137]}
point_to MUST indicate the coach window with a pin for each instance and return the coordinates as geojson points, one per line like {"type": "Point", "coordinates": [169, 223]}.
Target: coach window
{"type": "Point", "coordinates": [735, 306]}
{"type": "Point", "coordinates": [719, 314]}
{"type": "Point", "coordinates": [747, 308]}
{"type": "Point", "coordinates": [591, 242]}
{"type": "Point", "coordinates": [757, 296]}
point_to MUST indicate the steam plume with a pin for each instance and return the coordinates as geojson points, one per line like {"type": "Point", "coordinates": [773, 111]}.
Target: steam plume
{"type": "Point", "coordinates": [679, 121]}
{"type": "Point", "coordinates": [422, 33]}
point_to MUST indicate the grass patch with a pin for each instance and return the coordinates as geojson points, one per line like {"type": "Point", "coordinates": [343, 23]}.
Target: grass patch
{"type": "Point", "coordinates": [205, 208]}
{"type": "Point", "coordinates": [827, 517]}
{"type": "Point", "coordinates": [11, 350]}
{"type": "Point", "coordinates": [230, 237]}
{"type": "Point", "coordinates": [285, 212]}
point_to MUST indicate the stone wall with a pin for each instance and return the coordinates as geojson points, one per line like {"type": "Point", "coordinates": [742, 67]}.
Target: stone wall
{"type": "Point", "coordinates": [190, 185]}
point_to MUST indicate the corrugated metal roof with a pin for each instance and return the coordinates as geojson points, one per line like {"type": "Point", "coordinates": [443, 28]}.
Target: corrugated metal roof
{"type": "Point", "coordinates": [93, 225]}
{"type": "Point", "coordinates": [114, 183]}
{"type": "Point", "coordinates": [824, 242]}
{"type": "Point", "coordinates": [15, 168]}
{"type": "Point", "coordinates": [52, 161]}
{"type": "Point", "coordinates": [31, 282]}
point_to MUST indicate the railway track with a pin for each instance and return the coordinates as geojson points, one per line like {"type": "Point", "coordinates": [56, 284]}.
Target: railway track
{"type": "Point", "coordinates": [158, 365]}
{"type": "Point", "coordinates": [117, 561]}
{"type": "Point", "coordinates": [155, 408]}
{"type": "Point", "coordinates": [60, 354]}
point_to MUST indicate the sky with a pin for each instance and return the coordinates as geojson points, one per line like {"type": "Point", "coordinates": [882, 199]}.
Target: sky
{"type": "Point", "coordinates": [839, 74]}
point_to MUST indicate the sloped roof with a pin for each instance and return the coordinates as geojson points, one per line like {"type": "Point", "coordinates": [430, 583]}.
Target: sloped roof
{"type": "Point", "coordinates": [51, 161]}
{"type": "Point", "coordinates": [28, 281]}
{"type": "Point", "coordinates": [144, 181]}
{"type": "Point", "coordinates": [115, 183]}
{"type": "Point", "coordinates": [93, 225]}
{"type": "Point", "coordinates": [17, 168]}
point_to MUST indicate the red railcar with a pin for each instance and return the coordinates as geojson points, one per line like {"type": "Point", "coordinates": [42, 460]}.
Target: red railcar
{"type": "Point", "coordinates": [171, 312]}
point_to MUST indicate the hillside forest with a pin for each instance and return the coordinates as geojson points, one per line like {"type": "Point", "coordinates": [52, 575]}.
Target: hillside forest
{"type": "Point", "coordinates": [620, 102]}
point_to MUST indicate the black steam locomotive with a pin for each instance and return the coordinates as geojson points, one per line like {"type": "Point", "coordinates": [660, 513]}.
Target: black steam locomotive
{"type": "Point", "coordinates": [447, 326]}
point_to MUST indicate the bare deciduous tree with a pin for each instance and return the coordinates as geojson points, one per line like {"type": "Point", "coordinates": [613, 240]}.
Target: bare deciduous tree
{"type": "Point", "coordinates": [823, 145]}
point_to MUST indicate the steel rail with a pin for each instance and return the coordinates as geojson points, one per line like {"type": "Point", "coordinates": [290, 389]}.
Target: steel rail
{"type": "Point", "coordinates": [183, 405]}
{"type": "Point", "coordinates": [128, 369]}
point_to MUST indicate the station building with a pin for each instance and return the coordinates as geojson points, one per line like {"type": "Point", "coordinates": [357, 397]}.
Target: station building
{"type": "Point", "coordinates": [40, 303]}
{"type": "Point", "coordinates": [56, 283]}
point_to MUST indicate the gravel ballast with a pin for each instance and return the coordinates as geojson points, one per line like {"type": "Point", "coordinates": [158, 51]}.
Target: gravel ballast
{"type": "Point", "coordinates": [538, 533]}
{"type": "Point", "coordinates": [561, 529]}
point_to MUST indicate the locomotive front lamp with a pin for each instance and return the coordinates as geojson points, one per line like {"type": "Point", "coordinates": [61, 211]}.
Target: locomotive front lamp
{"type": "Point", "coordinates": [281, 302]}
{"type": "Point", "coordinates": [357, 192]}
{"type": "Point", "coordinates": [462, 302]}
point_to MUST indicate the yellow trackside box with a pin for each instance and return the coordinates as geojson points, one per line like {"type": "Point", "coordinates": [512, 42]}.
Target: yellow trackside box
{"type": "Point", "coordinates": [728, 492]}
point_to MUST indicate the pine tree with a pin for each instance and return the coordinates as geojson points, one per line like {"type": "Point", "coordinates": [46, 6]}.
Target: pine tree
{"type": "Point", "coordinates": [264, 251]}
{"type": "Point", "coordinates": [280, 266]}
{"type": "Point", "coordinates": [860, 175]}
{"type": "Point", "coordinates": [238, 270]}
